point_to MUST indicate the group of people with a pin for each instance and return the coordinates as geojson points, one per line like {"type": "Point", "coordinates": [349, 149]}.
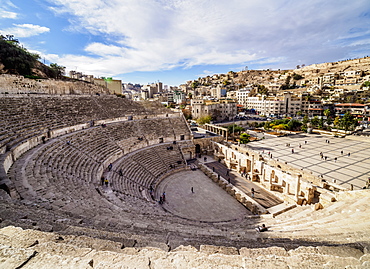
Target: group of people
{"type": "Point", "coordinates": [162, 198]}
{"type": "Point", "coordinates": [104, 181]}
{"type": "Point", "coordinates": [335, 158]}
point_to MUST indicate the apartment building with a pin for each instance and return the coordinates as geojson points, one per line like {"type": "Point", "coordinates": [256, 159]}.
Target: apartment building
{"type": "Point", "coordinates": [286, 104]}
{"type": "Point", "coordinates": [242, 95]}
{"type": "Point", "coordinates": [219, 110]}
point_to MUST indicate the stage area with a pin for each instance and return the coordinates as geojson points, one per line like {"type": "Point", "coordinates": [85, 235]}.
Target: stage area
{"type": "Point", "coordinates": [208, 202]}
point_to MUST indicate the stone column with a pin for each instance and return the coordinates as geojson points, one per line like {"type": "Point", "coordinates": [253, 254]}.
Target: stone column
{"type": "Point", "coordinates": [252, 167]}
{"type": "Point", "coordinates": [298, 187]}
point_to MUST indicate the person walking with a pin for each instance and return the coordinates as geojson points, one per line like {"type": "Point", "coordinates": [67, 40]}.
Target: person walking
{"type": "Point", "coordinates": [252, 190]}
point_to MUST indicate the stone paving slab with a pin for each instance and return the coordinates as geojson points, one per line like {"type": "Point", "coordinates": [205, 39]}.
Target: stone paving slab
{"type": "Point", "coordinates": [346, 170]}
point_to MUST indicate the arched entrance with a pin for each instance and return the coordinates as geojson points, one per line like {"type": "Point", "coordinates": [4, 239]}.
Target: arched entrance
{"type": "Point", "coordinates": [197, 150]}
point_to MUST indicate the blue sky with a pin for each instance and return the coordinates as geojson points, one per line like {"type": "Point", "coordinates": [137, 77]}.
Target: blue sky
{"type": "Point", "coordinates": [143, 41]}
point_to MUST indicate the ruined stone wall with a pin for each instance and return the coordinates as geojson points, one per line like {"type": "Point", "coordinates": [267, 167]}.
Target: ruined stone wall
{"type": "Point", "coordinates": [290, 184]}
{"type": "Point", "coordinates": [14, 84]}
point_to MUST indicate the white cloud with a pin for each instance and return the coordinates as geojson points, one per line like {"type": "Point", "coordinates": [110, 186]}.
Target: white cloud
{"type": "Point", "coordinates": [8, 14]}
{"type": "Point", "coordinates": [25, 30]}
{"type": "Point", "coordinates": [147, 35]}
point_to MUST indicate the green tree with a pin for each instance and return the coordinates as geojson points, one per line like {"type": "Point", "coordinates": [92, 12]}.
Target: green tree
{"type": "Point", "coordinates": [204, 119]}
{"type": "Point", "coordinates": [280, 127]}
{"type": "Point", "coordinates": [297, 76]}
{"type": "Point", "coordinates": [59, 70]}
{"type": "Point", "coordinates": [16, 59]}
{"type": "Point", "coordinates": [234, 128]}
{"type": "Point", "coordinates": [195, 84]}
{"type": "Point", "coordinates": [365, 84]}
{"type": "Point", "coordinates": [262, 90]}
{"type": "Point", "coordinates": [267, 125]}
{"type": "Point", "coordinates": [336, 121]}
{"type": "Point", "coordinates": [347, 121]}
{"type": "Point", "coordinates": [321, 123]}
{"type": "Point", "coordinates": [294, 125]}
{"type": "Point", "coordinates": [327, 113]}
{"type": "Point", "coordinates": [315, 121]}
{"type": "Point", "coordinates": [244, 138]}
{"type": "Point", "coordinates": [305, 120]}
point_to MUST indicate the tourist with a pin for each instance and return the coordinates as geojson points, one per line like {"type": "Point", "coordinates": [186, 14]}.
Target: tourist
{"type": "Point", "coordinates": [292, 150]}
{"type": "Point", "coordinates": [205, 159]}
{"type": "Point", "coordinates": [228, 180]}
{"type": "Point", "coordinates": [110, 166]}
{"type": "Point", "coordinates": [252, 190]}
{"type": "Point", "coordinates": [164, 197]}
{"type": "Point", "coordinates": [341, 152]}
{"type": "Point", "coordinates": [192, 190]}
{"type": "Point", "coordinates": [262, 228]}
{"type": "Point", "coordinates": [102, 181]}
{"type": "Point", "coordinates": [349, 154]}
{"type": "Point", "coordinates": [335, 159]}
{"type": "Point", "coordinates": [106, 182]}
{"type": "Point", "coordinates": [120, 172]}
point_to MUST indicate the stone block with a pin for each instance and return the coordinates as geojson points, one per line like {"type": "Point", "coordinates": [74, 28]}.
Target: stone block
{"type": "Point", "coordinates": [11, 257]}
{"type": "Point", "coordinates": [318, 206]}
{"type": "Point", "coordinates": [257, 252]}
{"type": "Point", "coordinates": [340, 251]}
{"type": "Point", "coordinates": [185, 248]}
{"type": "Point", "coordinates": [209, 249]}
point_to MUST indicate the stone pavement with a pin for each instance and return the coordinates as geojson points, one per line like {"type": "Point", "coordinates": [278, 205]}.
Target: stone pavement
{"type": "Point", "coordinates": [208, 203]}
{"type": "Point", "coordinates": [351, 167]}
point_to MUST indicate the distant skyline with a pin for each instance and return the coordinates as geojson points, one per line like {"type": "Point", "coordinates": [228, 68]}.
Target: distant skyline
{"type": "Point", "coordinates": [173, 41]}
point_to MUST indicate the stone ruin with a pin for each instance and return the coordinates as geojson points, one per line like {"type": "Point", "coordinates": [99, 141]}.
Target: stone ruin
{"type": "Point", "coordinates": [55, 213]}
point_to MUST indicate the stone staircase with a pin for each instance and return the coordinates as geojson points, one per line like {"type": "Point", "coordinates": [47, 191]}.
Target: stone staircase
{"type": "Point", "coordinates": [347, 220]}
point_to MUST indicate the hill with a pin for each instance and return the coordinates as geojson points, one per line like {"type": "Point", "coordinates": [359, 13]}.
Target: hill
{"type": "Point", "coordinates": [17, 60]}
{"type": "Point", "coordinates": [348, 75]}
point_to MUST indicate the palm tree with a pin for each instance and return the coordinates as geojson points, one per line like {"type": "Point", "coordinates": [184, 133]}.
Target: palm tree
{"type": "Point", "coordinates": [327, 113]}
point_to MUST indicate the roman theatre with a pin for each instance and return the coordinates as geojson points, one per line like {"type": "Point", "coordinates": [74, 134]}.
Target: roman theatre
{"type": "Point", "coordinates": [98, 181]}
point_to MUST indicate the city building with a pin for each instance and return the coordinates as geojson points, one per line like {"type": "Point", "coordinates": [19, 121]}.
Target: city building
{"type": "Point", "coordinates": [282, 105]}
{"type": "Point", "coordinates": [219, 110]}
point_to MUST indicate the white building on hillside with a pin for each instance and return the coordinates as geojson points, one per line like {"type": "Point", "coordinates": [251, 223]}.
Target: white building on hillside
{"type": "Point", "coordinates": [286, 104]}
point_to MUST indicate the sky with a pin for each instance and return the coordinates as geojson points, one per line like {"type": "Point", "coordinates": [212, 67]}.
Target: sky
{"type": "Point", "coordinates": [173, 41]}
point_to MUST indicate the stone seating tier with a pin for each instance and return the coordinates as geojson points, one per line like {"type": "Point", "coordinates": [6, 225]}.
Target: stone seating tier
{"type": "Point", "coordinates": [23, 117]}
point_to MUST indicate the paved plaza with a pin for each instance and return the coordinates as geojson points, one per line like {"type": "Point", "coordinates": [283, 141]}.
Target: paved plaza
{"type": "Point", "coordinates": [351, 166]}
